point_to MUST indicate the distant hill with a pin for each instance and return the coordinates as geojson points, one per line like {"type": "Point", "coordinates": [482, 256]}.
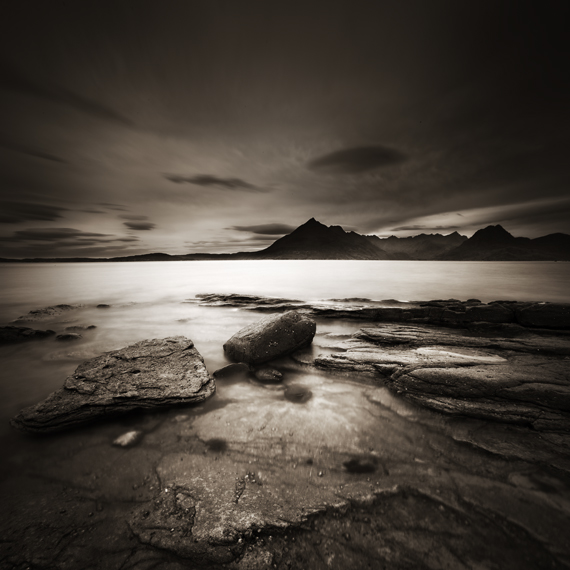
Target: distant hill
{"type": "Point", "coordinates": [314, 240]}
{"type": "Point", "coordinates": [423, 246]}
{"type": "Point", "coordinates": [494, 243]}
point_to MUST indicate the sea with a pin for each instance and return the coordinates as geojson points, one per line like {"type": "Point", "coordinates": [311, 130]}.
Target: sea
{"type": "Point", "coordinates": [146, 300]}
{"type": "Point", "coordinates": [155, 300]}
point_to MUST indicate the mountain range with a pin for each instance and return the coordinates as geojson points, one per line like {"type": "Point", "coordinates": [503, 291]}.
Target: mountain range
{"type": "Point", "coordinates": [313, 240]}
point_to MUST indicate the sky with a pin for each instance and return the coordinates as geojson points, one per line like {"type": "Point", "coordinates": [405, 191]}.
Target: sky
{"type": "Point", "coordinates": [219, 126]}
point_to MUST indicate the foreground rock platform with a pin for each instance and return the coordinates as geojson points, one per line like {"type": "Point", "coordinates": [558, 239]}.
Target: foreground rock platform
{"type": "Point", "coordinates": [523, 380]}
{"type": "Point", "coordinates": [358, 475]}
{"type": "Point", "coordinates": [149, 374]}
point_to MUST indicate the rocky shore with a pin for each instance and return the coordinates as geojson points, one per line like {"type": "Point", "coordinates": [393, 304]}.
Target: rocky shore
{"type": "Point", "coordinates": [434, 435]}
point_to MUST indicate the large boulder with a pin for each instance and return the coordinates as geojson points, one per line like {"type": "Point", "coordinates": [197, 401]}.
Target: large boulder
{"type": "Point", "coordinates": [148, 374]}
{"type": "Point", "coordinates": [271, 337]}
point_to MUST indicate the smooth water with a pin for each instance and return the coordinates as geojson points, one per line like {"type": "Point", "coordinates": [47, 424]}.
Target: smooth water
{"type": "Point", "coordinates": [26, 286]}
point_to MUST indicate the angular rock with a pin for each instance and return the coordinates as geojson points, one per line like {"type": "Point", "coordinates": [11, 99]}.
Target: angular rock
{"type": "Point", "coordinates": [271, 337]}
{"type": "Point", "coordinates": [146, 375]}
{"type": "Point", "coordinates": [11, 335]}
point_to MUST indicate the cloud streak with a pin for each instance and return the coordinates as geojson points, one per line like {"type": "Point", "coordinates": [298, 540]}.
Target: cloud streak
{"type": "Point", "coordinates": [24, 149]}
{"type": "Point", "coordinates": [18, 212]}
{"type": "Point", "coordinates": [265, 229]}
{"type": "Point", "coordinates": [356, 160]}
{"type": "Point", "coordinates": [11, 79]}
{"type": "Point", "coordinates": [218, 182]}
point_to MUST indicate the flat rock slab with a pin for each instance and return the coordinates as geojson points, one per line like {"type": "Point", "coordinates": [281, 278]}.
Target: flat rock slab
{"type": "Point", "coordinates": [148, 374]}
{"type": "Point", "coordinates": [12, 335]}
{"type": "Point", "coordinates": [523, 380]}
{"type": "Point", "coordinates": [537, 396]}
{"type": "Point", "coordinates": [271, 337]}
{"type": "Point", "coordinates": [386, 361]}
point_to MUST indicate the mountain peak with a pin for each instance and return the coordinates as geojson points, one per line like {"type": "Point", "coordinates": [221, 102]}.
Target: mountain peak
{"type": "Point", "coordinates": [496, 234]}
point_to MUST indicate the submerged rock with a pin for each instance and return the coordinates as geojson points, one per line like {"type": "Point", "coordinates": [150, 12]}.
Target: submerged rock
{"type": "Point", "coordinates": [269, 375]}
{"type": "Point", "coordinates": [234, 370]}
{"type": "Point", "coordinates": [12, 335]}
{"type": "Point", "coordinates": [68, 336]}
{"type": "Point", "coordinates": [271, 337]}
{"type": "Point", "coordinates": [148, 374]}
{"type": "Point", "coordinates": [80, 328]}
{"type": "Point", "coordinates": [46, 313]}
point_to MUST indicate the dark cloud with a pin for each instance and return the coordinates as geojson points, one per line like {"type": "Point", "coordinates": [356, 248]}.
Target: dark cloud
{"type": "Point", "coordinates": [265, 229]}
{"type": "Point", "coordinates": [17, 212]}
{"type": "Point", "coordinates": [356, 159]}
{"type": "Point", "coordinates": [211, 180]}
{"type": "Point", "coordinates": [140, 226]}
{"type": "Point", "coordinates": [90, 211]}
{"type": "Point", "coordinates": [11, 79]}
{"type": "Point", "coordinates": [128, 239]}
{"type": "Point", "coordinates": [133, 217]}
{"type": "Point", "coordinates": [36, 153]}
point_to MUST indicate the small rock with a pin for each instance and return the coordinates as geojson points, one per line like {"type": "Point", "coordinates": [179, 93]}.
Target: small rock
{"type": "Point", "coordinates": [80, 328]}
{"type": "Point", "coordinates": [232, 371]}
{"type": "Point", "coordinates": [269, 375]}
{"type": "Point", "coordinates": [128, 439]}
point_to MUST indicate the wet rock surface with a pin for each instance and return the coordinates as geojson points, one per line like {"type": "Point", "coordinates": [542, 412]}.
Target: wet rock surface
{"type": "Point", "coordinates": [356, 475]}
{"type": "Point", "coordinates": [523, 380]}
{"type": "Point", "coordinates": [12, 335]}
{"type": "Point", "coordinates": [450, 312]}
{"type": "Point", "coordinates": [47, 313]}
{"type": "Point", "coordinates": [148, 374]}
{"type": "Point", "coordinates": [271, 337]}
